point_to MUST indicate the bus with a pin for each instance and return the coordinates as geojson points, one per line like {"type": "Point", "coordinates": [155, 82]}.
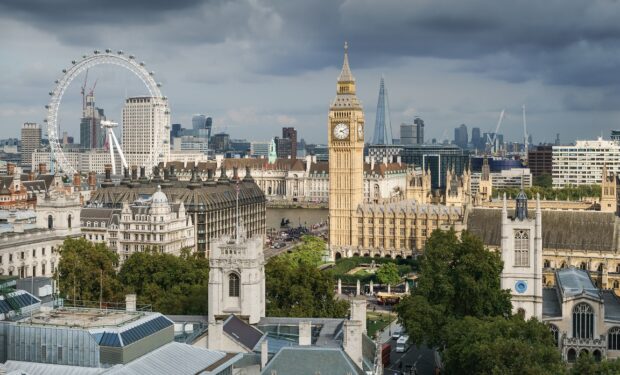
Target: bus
{"type": "Point", "coordinates": [401, 344]}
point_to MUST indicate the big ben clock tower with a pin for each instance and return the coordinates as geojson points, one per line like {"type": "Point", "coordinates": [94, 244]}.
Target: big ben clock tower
{"type": "Point", "coordinates": [345, 128]}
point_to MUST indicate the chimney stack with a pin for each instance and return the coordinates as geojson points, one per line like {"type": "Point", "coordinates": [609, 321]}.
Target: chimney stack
{"type": "Point", "coordinates": [264, 353]}
{"type": "Point", "coordinates": [10, 169]}
{"type": "Point", "coordinates": [130, 302]}
{"type": "Point", "coordinates": [108, 172]}
{"type": "Point", "coordinates": [358, 311]}
{"type": "Point", "coordinates": [235, 173]}
{"type": "Point", "coordinates": [77, 181]}
{"type": "Point", "coordinates": [92, 180]}
{"type": "Point", "coordinates": [305, 333]}
{"type": "Point", "coordinates": [352, 343]}
{"type": "Point", "coordinates": [42, 168]}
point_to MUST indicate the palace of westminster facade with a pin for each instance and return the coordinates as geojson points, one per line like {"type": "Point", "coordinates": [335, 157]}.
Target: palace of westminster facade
{"type": "Point", "coordinates": [584, 236]}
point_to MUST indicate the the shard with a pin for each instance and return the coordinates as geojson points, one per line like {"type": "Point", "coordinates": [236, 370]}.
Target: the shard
{"type": "Point", "coordinates": [383, 126]}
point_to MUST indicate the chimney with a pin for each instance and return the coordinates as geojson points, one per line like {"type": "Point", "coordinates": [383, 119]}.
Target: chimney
{"type": "Point", "coordinates": [108, 172]}
{"type": "Point", "coordinates": [31, 176]}
{"type": "Point", "coordinates": [143, 172]}
{"type": "Point", "coordinates": [235, 173]}
{"type": "Point", "coordinates": [372, 164]}
{"type": "Point", "coordinates": [264, 353]}
{"type": "Point", "coordinates": [134, 173]}
{"type": "Point", "coordinates": [77, 181]}
{"type": "Point", "coordinates": [10, 169]}
{"type": "Point", "coordinates": [385, 160]}
{"type": "Point", "coordinates": [358, 311]}
{"type": "Point", "coordinates": [215, 334]}
{"type": "Point", "coordinates": [130, 302]}
{"type": "Point", "coordinates": [42, 168]}
{"type": "Point", "coordinates": [92, 180]}
{"type": "Point", "coordinates": [248, 174]}
{"type": "Point", "coordinates": [399, 160]}
{"type": "Point", "coordinates": [305, 333]}
{"type": "Point", "coordinates": [352, 343]}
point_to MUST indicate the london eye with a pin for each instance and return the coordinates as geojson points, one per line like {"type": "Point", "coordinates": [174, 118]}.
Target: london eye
{"type": "Point", "coordinates": [59, 161]}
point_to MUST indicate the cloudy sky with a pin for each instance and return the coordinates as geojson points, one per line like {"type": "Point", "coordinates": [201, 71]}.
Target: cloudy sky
{"type": "Point", "coordinates": [257, 65]}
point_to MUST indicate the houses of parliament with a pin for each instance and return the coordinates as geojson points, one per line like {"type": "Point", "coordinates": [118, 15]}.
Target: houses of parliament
{"type": "Point", "coordinates": [573, 235]}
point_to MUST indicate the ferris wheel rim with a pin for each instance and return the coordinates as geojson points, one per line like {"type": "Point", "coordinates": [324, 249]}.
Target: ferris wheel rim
{"type": "Point", "coordinates": [88, 61]}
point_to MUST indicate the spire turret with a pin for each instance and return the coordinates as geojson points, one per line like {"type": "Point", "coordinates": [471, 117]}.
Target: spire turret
{"type": "Point", "coordinates": [345, 74]}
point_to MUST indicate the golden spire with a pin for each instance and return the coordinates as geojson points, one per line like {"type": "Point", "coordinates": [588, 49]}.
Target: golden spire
{"type": "Point", "coordinates": [345, 74]}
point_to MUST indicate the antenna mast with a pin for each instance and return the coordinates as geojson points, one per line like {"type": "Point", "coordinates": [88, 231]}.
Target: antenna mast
{"type": "Point", "coordinates": [525, 136]}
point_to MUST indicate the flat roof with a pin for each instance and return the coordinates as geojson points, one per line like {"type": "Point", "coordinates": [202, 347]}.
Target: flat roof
{"type": "Point", "coordinates": [82, 318]}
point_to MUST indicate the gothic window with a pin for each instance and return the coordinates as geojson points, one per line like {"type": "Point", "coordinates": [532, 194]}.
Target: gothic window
{"type": "Point", "coordinates": [522, 248]}
{"type": "Point", "coordinates": [69, 222]}
{"type": "Point", "coordinates": [582, 265]}
{"type": "Point", "coordinates": [583, 321]}
{"type": "Point", "coordinates": [547, 263]}
{"type": "Point", "coordinates": [613, 338]}
{"type": "Point", "coordinates": [50, 222]}
{"type": "Point", "coordinates": [616, 284]}
{"type": "Point", "coordinates": [233, 285]}
{"type": "Point", "coordinates": [555, 332]}
{"type": "Point", "coordinates": [600, 267]}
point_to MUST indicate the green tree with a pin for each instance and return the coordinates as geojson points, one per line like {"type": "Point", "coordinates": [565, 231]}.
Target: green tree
{"type": "Point", "coordinates": [544, 181]}
{"type": "Point", "coordinates": [457, 278]}
{"type": "Point", "coordinates": [296, 287]}
{"type": "Point", "coordinates": [587, 365]}
{"type": "Point", "coordinates": [87, 271]}
{"type": "Point", "coordinates": [310, 251]}
{"type": "Point", "coordinates": [171, 284]}
{"type": "Point", "coordinates": [388, 274]}
{"type": "Point", "coordinates": [499, 345]}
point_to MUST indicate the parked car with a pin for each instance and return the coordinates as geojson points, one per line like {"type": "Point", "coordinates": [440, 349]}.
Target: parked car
{"type": "Point", "coordinates": [395, 335]}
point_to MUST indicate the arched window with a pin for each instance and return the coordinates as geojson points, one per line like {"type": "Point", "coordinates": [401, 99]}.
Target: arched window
{"type": "Point", "coordinates": [233, 285]}
{"type": "Point", "coordinates": [616, 284]}
{"type": "Point", "coordinates": [572, 355]}
{"type": "Point", "coordinates": [600, 267]}
{"type": "Point", "coordinates": [583, 321]}
{"type": "Point", "coordinates": [563, 265]}
{"type": "Point", "coordinates": [547, 263]}
{"type": "Point", "coordinates": [583, 265]}
{"type": "Point", "coordinates": [555, 332]}
{"type": "Point", "coordinates": [50, 222]}
{"type": "Point", "coordinates": [69, 221]}
{"type": "Point", "coordinates": [613, 338]}
{"type": "Point", "coordinates": [522, 248]}
{"type": "Point", "coordinates": [618, 268]}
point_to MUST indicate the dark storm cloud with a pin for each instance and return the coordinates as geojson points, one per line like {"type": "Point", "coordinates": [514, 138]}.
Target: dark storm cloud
{"type": "Point", "coordinates": [552, 39]}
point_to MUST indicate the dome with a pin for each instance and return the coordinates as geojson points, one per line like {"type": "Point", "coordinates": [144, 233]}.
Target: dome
{"type": "Point", "coordinates": [159, 196]}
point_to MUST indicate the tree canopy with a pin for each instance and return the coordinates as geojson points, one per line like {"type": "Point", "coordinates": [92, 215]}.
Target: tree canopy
{"type": "Point", "coordinates": [572, 193]}
{"type": "Point", "coordinates": [457, 278]}
{"type": "Point", "coordinates": [388, 274]}
{"type": "Point", "coordinates": [500, 345]}
{"type": "Point", "coordinates": [296, 287]}
{"type": "Point", "coordinates": [173, 285]}
{"type": "Point", "coordinates": [84, 267]}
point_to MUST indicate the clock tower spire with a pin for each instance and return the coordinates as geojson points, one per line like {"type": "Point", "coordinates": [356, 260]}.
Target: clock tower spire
{"type": "Point", "coordinates": [345, 128]}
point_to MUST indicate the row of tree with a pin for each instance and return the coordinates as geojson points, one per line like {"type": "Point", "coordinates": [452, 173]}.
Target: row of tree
{"type": "Point", "coordinates": [179, 285]}
{"type": "Point", "coordinates": [572, 193]}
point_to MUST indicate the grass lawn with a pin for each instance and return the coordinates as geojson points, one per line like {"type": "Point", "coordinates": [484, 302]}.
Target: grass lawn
{"type": "Point", "coordinates": [376, 321]}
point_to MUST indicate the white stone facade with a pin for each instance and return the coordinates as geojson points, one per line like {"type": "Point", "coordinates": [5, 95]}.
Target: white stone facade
{"type": "Point", "coordinates": [237, 278]}
{"type": "Point", "coordinates": [29, 247]}
{"type": "Point", "coordinates": [521, 252]}
{"type": "Point", "coordinates": [151, 223]}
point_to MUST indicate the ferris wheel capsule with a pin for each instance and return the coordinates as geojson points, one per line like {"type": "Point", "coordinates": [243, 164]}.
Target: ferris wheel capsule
{"type": "Point", "coordinates": [96, 52]}
{"type": "Point", "coordinates": [120, 52]}
{"type": "Point", "coordinates": [108, 50]}
{"type": "Point", "coordinates": [73, 62]}
{"type": "Point", "coordinates": [142, 63]}
{"type": "Point", "coordinates": [64, 71]}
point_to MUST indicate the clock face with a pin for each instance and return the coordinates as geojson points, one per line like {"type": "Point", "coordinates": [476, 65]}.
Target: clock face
{"type": "Point", "coordinates": [521, 286]}
{"type": "Point", "coordinates": [341, 131]}
{"type": "Point", "coordinates": [360, 132]}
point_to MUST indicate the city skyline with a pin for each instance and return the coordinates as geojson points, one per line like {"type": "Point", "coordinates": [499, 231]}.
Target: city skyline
{"type": "Point", "coordinates": [257, 66]}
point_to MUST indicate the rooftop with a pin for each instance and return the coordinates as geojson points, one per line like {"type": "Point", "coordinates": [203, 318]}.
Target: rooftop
{"type": "Point", "coordinates": [574, 282]}
{"type": "Point", "coordinates": [83, 318]}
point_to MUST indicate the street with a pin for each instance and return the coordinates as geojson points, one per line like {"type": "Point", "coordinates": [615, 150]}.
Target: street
{"type": "Point", "coordinates": [420, 359]}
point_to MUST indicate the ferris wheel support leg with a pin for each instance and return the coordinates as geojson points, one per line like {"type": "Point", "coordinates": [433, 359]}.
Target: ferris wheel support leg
{"type": "Point", "coordinates": [111, 152]}
{"type": "Point", "coordinates": [120, 151]}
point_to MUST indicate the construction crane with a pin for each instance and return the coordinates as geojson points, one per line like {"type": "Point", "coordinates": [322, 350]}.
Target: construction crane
{"type": "Point", "coordinates": [83, 92]}
{"type": "Point", "coordinates": [491, 142]}
{"type": "Point", "coordinates": [525, 135]}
